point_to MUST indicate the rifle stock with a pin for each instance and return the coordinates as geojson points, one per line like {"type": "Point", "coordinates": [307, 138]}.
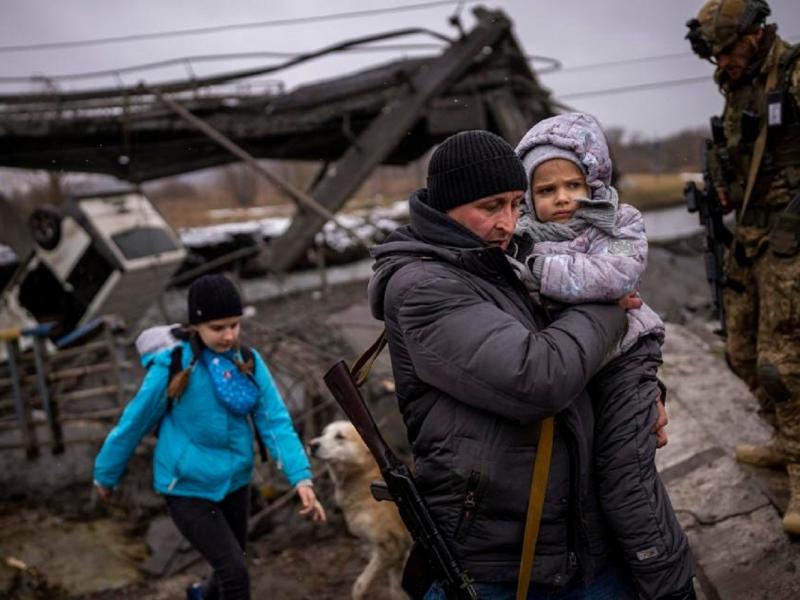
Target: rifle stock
{"type": "Point", "coordinates": [399, 484]}
{"type": "Point", "coordinates": [344, 389]}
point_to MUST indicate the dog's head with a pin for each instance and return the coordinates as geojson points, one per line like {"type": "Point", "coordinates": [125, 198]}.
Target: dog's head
{"type": "Point", "coordinates": [341, 447]}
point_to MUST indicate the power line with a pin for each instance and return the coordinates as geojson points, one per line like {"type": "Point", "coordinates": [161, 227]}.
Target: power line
{"type": "Point", "coordinates": [631, 61]}
{"type": "Point", "coordinates": [553, 63]}
{"type": "Point", "coordinates": [231, 27]}
{"type": "Point", "coordinates": [643, 86]}
{"type": "Point", "coordinates": [188, 60]}
{"type": "Point", "coordinates": [625, 61]}
{"type": "Point", "coordinates": [639, 87]}
{"type": "Point", "coordinates": [194, 83]}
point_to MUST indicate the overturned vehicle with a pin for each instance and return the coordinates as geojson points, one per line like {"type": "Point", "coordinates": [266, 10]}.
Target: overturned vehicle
{"type": "Point", "coordinates": [105, 251]}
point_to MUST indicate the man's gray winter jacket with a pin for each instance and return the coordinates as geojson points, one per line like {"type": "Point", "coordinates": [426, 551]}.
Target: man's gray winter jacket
{"type": "Point", "coordinates": [477, 366]}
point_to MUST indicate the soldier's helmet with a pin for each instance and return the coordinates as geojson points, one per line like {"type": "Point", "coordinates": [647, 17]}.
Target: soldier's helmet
{"type": "Point", "coordinates": [721, 22]}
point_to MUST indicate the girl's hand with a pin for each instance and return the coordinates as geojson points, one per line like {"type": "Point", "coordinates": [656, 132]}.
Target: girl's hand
{"type": "Point", "coordinates": [630, 301]}
{"type": "Point", "coordinates": [103, 492]}
{"type": "Point", "coordinates": [311, 505]}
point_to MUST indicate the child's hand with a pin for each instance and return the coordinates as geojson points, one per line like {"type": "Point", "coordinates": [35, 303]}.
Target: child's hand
{"type": "Point", "coordinates": [630, 301]}
{"type": "Point", "coordinates": [311, 505]}
{"type": "Point", "coordinates": [103, 492]}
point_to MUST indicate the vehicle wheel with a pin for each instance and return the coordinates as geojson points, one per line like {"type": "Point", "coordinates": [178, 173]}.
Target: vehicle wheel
{"type": "Point", "coordinates": [45, 225]}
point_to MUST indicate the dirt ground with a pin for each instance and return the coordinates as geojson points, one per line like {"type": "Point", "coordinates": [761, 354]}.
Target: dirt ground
{"type": "Point", "coordinates": [308, 569]}
{"type": "Point", "coordinates": [100, 558]}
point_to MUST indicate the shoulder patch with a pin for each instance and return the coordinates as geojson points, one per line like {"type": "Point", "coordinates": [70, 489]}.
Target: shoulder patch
{"type": "Point", "coordinates": [621, 248]}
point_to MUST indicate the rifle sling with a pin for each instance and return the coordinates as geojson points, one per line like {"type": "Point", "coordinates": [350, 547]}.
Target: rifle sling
{"type": "Point", "coordinates": [541, 471]}
{"type": "Point", "coordinates": [363, 365]}
{"type": "Point", "coordinates": [760, 145]}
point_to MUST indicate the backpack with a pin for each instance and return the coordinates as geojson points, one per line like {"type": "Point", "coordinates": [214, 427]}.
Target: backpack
{"type": "Point", "coordinates": [169, 336]}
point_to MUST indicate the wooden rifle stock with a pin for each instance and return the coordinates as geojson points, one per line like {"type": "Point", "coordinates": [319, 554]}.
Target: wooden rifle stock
{"type": "Point", "coordinates": [344, 389]}
{"type": "Point", "coordinates": [399, 483]}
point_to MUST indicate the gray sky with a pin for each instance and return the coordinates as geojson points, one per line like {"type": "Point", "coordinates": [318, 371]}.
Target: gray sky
{"type": "Point", "coordinates": [577, 32]}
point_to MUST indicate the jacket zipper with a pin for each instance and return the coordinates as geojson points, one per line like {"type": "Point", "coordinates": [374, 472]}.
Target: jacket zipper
{"type": "Point", "coordinates": [574, 524]}
{"type": "Point", "coordinates": [469, 505]}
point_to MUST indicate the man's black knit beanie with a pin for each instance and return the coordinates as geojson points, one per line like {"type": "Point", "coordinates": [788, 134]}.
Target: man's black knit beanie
{"type": "Point", "coordinates": [213, 297]}
{"type": "Point", "coordinates": [471, 165]}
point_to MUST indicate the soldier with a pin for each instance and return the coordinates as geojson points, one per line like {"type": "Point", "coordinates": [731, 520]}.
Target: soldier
{"type": "Point", "coordinates": [755, 165]}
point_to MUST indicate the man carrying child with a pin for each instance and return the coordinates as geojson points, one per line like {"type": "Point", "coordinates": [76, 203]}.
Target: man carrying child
{"type": "Point", "coordinates": [478, 365]}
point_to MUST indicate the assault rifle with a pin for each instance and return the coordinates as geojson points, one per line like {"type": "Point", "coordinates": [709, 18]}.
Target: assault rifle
{"type": "Point", "coordinates": [400, 487]}
{"type": "Point", "coordinates": [717, 236]}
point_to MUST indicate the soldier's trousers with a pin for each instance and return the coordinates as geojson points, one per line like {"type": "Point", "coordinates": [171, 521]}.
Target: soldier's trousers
{"type": "Point", "coordinates": [762, 311]}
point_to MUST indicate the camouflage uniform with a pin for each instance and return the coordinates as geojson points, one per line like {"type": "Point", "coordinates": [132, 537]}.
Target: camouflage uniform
{"type": "Point", "coordinates": [762, 300]}
{"type": "Point", "coordinates": [762, 295]}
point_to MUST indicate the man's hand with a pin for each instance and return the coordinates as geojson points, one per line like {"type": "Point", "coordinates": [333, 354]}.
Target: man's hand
{"type": "Point", "coordinates": [311, 505]}
{"type": "Point", "coordinates": [661, 423]}
{"type": "Point", "coordinates": [630, 301]}
{"type": "Point", "coordinates": [724, 199]}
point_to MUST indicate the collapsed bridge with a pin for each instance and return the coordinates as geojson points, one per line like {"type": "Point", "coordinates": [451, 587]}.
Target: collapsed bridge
{"type": "Point", "coordinates": [391, 114]}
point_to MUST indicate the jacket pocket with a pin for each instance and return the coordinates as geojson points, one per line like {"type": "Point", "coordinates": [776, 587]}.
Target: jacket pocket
{"type": "Point", "coordinates": [784, 239]}
{"type": "Point", "coordinates": [469, 506]}
{"type": "Point", "coordinates": [177, 470]}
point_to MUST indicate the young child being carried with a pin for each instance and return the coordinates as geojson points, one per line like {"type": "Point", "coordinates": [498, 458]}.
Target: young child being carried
{"type": "Point", "coordinates": [575, 243]}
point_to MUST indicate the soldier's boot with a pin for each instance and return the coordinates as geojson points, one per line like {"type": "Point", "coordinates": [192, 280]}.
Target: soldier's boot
{"type": "Point", "coordinates": [768, 455]}
{"type": "Point", "coordinates": [791, 518]}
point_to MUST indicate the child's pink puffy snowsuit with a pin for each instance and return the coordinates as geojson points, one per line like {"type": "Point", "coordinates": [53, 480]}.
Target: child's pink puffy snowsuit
{"type": "Point", "coordinates": [606, 259]}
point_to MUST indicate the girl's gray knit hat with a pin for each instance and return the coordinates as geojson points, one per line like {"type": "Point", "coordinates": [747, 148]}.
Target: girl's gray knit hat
{"type": "Point", "coordinates": [545, 152]}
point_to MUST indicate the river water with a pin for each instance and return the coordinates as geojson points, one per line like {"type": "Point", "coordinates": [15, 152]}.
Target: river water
{"type": "Point", "coordinates": [671, 223]}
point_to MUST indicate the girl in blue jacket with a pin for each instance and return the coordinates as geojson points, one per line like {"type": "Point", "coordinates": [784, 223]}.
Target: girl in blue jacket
{"type": "Point", "coordinates": [203, 459]}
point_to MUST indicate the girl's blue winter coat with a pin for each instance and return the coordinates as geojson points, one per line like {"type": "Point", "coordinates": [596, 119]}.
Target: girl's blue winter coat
{"type": "Point", "coordinates": [203, 450]}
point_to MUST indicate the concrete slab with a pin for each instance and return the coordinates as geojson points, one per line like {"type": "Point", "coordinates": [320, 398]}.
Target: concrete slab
{"type": "Point", "coordinates": [696, 374]}
{"type": "Point", "coordinates": [747, 557]}
{"type": "Point", "coordinates": [687, 437]}
{"type": "Point", "coordinates": [773, 483]}
{"type": "Point", "coordinates": [729, 511]}
{"type": "Point", "coordinates": [699, 493]}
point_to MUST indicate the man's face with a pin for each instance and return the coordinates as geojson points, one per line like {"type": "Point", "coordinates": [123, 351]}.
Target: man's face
{"type": "Point", "coordinates": [492, 219]}
{"type": "Point", "coordinates": [735, 60]}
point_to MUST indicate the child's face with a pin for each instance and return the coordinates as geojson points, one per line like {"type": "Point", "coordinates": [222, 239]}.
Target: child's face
{"type": "Point", "coordinates": [556, 186]}
{"type": "Point", "coordinates": [221, 334]}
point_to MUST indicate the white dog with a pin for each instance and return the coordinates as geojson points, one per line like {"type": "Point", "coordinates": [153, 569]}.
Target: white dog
{"type": "Point", "coordinates": [353, 469]}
